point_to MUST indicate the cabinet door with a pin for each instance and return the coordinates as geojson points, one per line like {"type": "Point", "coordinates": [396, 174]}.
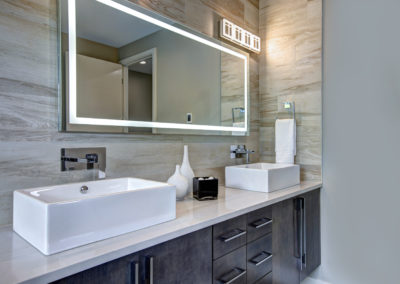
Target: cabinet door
{"type": "Point", "coordinates": [312, 239]}
{"type": "Point", "coordinates": [296, 242]}
{"type": "Point", "coordinates": [284, 261]}
{"type": "Point", "coordinates": [187, 259]}
{"type": "Point", "coordinates": [120, 271]}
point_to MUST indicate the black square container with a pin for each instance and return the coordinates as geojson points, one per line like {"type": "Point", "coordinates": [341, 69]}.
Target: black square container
{"type": "Point", "coordinates": [206, 189]}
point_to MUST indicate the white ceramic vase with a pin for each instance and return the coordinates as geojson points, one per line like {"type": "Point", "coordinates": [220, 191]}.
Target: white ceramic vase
{"type": "Point", "coordinates": [180, 182]}
{"type": "Point", "coordinates": [186, 170]}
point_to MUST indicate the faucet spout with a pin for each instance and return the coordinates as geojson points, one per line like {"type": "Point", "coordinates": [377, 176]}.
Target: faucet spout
{"type": "Point", "coordinates": [84, 159]}
{"type": "Point", "coordinates": [248, 155]}
{"type": "Point", "coordinates": [238, 151]}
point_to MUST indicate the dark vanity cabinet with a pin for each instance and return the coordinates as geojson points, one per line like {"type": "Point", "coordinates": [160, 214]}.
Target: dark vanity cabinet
{"type": "Point", "coordinates": [182, 260]}
{"type": "Point", "coordinates": [276, 244]}
{"type": "Point", "coordinates": [296, 237]}
{"type": "Point", "coordinates": [117, 271]}
{"type": "Point", "coordinates": [312, 242]}
{"type": "Point", "coordinates": [242, 248]}
{"type": "Point", "coordinates": [186, 259]}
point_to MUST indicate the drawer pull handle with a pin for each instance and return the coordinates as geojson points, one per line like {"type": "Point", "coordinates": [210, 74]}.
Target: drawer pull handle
{"type": "Point", "coordinates": [300, 232]}
{"type": "Point", "coordinates": [134, 272]}
{"type": "Point", "coordinates": [261, 258]}
{"type": "Point", "coordinates": [234, 234]}
{"type": "Point", "coordinates": [150, 269]}
{"type": "Point", "coordinates": [232, 275]}
{"type": "Point", "coordinates": [261, 223]}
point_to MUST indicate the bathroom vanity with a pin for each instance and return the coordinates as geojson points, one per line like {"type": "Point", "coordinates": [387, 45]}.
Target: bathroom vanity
{"type": "Point", "coordinates": [243, 237]}
{"type": "Point", "coordinates": [271, 243]}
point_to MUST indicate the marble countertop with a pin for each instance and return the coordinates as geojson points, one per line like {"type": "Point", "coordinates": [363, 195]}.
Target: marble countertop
{"type": "Point", "coordinates": [22, 263]}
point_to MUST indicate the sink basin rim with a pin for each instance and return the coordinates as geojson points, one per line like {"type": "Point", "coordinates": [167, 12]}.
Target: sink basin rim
{"type": "Point", "coordinates": [268, 179]}
{"type": "Point", "coordinates": [30, 191]}
{"type": "Point", "coordinates": [276, 166]}
{"type": "Point", "coordinates": [59, 226]}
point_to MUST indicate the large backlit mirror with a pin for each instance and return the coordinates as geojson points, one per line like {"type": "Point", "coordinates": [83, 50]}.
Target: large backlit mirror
{"type": "Point", "coordinates": [124, 69]}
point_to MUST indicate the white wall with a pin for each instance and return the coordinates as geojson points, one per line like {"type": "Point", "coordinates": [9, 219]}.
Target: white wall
{"type": "Point", "coordinates": [361, 142]}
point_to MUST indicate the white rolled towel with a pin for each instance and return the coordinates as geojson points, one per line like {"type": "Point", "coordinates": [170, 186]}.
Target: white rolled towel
{"type": "Point", "coordinates": [284, 158]}
{"type": "Point", "coordinates": [285, 141]}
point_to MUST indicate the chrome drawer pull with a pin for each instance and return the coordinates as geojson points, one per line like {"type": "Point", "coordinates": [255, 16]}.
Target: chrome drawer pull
{"type": "Point", "coordinates": [232, 235]}
{"type": "Point", "coordinates": [261, 223]}
{"type": "Point", "coordinates": [237, 274]}
{"type": "Point", "coordinates": [300, 232]}
{"type": "Point", "coordinates": [134, 272]}
{"type": "Point", "coordinates": [149, 269]}
{"type": "Point", "coordinates": [261, 258]}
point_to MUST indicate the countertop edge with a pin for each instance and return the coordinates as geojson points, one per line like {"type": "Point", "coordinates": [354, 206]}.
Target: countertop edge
{"type": "Point", "coordinates": [149, 242]}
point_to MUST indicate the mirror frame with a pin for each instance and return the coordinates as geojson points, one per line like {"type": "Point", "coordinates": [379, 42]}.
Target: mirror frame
{"type": "Point", "coordinates": [72, 117]}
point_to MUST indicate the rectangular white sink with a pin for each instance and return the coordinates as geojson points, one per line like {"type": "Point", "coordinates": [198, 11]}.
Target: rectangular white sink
{"type": "Point", "coordinates": [263, 177]}
{"type": "Point", "coordinates": [58, 218]}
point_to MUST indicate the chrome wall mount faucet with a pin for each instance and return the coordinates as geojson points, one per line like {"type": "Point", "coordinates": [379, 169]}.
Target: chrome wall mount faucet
{"type": "Point", "coordinates": [238, 151]}
{"type": "Point", "coordinates": [84, 159]}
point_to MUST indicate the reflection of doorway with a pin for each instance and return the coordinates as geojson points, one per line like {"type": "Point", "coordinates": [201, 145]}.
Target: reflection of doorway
{"type": "Point", "coordinates": [140, 88]}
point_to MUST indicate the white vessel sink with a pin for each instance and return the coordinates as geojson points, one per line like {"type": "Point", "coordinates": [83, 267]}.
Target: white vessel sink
{"type": "Point", "coordinates": [263, 177]}
{"type": "Point", "coordinates": [60, 217]}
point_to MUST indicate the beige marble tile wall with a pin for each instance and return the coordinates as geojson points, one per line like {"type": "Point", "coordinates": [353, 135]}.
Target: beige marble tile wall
{"type": "Point", "coordinates": [29, 140]}
{"type": "Point", "coordinates": [290, 70]}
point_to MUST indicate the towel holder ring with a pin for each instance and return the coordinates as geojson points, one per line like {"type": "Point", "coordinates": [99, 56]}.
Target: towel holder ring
{"type": "Point", "coordinates": [290, 108]}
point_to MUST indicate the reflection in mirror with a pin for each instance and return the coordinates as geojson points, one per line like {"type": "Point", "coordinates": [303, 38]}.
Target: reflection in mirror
{"type": "Point", "coordinates": [133, 75]}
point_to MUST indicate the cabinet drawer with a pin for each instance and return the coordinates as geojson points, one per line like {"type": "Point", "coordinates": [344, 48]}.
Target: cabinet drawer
{"type": "Point", "coordinates": [228, 236]}
{"type": "Point", "coordinates": [259, 223]}
{"type": "Point", "coordinates": [231, 268]}
{"type": "Point", "coordinates": [259, 258]}
{"type": "Point", "coordinates": [267, 279]}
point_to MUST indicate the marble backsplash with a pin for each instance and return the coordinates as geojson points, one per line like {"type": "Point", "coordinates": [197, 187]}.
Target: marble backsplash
{"type": "Point", "coordinates": [290, 68]}
{"type": "Point", "coordinates": [29, 139]}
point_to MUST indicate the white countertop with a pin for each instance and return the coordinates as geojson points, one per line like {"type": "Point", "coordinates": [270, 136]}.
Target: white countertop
{"type": "Point", "coordinates": [22, 263]}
